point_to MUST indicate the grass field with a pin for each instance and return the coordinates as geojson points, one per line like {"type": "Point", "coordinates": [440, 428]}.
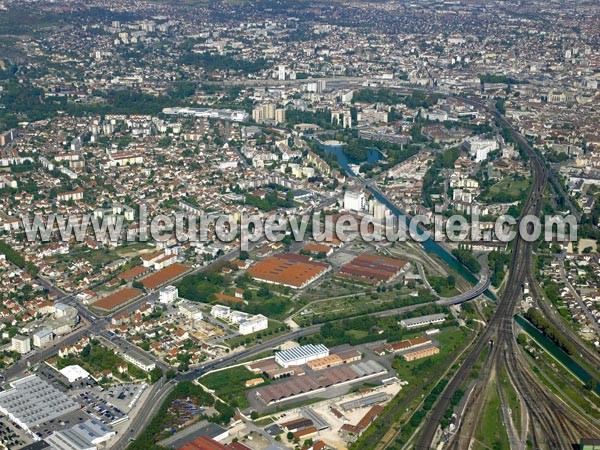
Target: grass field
{"type": "Point", "coordinates": [509, 187]}
{"type": "Point", "coordinates": [512, 398]}
{"type": "Point", "coordinates": [491, 430]}
{"type": "Point", "coordinates": [415, 372]}
{"type": "Point", "coordinates": [359, 302]}
{"type": "Point", "coordinates": [229, 385]}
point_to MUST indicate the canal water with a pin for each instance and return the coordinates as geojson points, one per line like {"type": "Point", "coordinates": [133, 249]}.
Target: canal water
{"type": "Point", "coordinates": [429, 245]}
{"type": "Point", "coordinates": [555, 351]}
{"type": "Point", "coordinates": [338, 150]}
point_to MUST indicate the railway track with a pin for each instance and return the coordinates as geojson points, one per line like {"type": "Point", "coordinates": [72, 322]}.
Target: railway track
{"type": "Point", "coordinates": [552, 424]}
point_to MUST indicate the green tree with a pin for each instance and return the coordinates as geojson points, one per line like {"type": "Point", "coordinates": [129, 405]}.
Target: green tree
{"type": "Point", "coordinates": [155, 374]}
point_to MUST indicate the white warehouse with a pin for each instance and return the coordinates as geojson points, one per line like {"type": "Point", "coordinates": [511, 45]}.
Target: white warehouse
{"type": "Point", "coordinates": [301, 355]}
{"type": "Point", "coordinates": [423, 321]}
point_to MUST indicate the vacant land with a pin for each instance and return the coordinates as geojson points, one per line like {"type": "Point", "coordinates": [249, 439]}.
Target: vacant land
{"type": "Point", "coordinates": [229, 385]}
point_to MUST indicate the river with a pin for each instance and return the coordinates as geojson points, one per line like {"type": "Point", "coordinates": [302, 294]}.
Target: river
{"type": "Point", "coordinates": [429, 245]}
{"type": "Point", "coordinates": [556, 352]}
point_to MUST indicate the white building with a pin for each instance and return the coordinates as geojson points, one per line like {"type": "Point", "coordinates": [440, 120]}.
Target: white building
{"type": "Point", "coordinates": [479, 148]}
{"type": "Point", "coordinates": [191, 311]}
{"type": "Point", "coordinates": [238, 317]}
{"type": "Point", "coordinates": [220, 311]}
{"type": "Point", "coordinates": [436, 114]}
{"type": "Point", "coordinates": [301, 355]}
{"type": "Point", "coordinates": [62, 310]}
{"type": "Point", "coordinates": [140, 361]}
{"type": "Point", "coordinates": [42, 336]}
{"type": "Point", "coordinates": [254, 324]}
{"type": "Point", "coordinates": [355, 201]}
{"type": "Point", "coordinates": [87, 435]}
{"type": "Point", "coordinates": [21, 344]}
{"type": "Point", "coordinates": [74, 373]}
{"type": "Point", "coordinates": [33, 401]}
{"type": "Point", "coordinates": [423, 321]}
{"type": "Point", "coordinates": [168, 294]}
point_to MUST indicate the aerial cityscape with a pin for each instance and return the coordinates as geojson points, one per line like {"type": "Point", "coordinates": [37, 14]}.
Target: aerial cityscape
{"type": "Point", "coordinates": [271, 224]}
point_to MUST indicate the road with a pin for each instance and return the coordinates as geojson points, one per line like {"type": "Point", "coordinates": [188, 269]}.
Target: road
{"type": "Point", "coordinates": [586, 311]}
{"type": "Point", "coordinates": [294, 335]}
{"type": "Point", "coordinates": [499, 329]}
{"type": "Point", "coordinates": [158, 394]}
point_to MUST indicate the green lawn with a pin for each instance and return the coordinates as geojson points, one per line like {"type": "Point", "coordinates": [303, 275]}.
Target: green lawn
{"type": "Point", "coordinates": [358, 334]}
{"type": "Point", "coordinates": [416, 371]}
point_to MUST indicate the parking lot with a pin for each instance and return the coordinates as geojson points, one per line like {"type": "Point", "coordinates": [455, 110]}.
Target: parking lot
{"type": "Point", "coordinates": [66, 421]}
{"type": "Point", "coordinates": [10, 436]}
{"type": "Point", "coordinates": [109, 406]}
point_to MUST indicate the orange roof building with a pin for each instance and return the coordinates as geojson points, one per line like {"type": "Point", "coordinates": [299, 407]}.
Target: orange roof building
{"type": "Point", "coordinates": [203, 443]}
{"type": "Point", "coordinates": [311, 247]}
{"type": "Point", "coordinates": [117, 299]}
{"type": "Point", "coordinates": [407, 344]}
{"type": "Point", "coordinates": [288, 269]}
{"type": "Point", "coordinates": [164, 275]}
{"type": "Point", "coordinates": [372, 269]}
{"type": "Point", "coordinates": [133, 273]}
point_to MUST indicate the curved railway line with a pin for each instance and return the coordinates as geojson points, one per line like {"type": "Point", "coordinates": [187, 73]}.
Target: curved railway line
{"type": "Point", "coordinates": [553, 424]}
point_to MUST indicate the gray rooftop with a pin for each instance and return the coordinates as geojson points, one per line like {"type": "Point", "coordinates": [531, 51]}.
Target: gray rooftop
{"type": "Point", "coordinates": [81, 436]}
{"type": "Point", "coordinates": [33, 401]}
{"type": "Point", "coordinates": [423, 319]}
{"type": "Point", "coordinates": [301, 352]}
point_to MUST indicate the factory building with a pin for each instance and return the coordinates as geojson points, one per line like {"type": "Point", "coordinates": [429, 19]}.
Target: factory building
{"type": "Point", "coordinates": [423, 321]}
{"type": "Point", "coordinates": [32, 401]}
{"type": "Point", "coordinates": [301, 355]}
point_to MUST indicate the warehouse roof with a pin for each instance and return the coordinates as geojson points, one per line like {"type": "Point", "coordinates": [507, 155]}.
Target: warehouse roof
{"type": "Point", "coordinates": [288, 269]}
{"type": "Point", "coordinates": [162, 276]}
{"type": "Point", "coordinates": [83, 435]}
{"type": "Point", "coordinates": [423, 319]}
{"type": "Point", "coordinates": [301, 352]}
{"type": "Point", "coordinates": [33, 401]}
{"type": "Point", "coordinates": [117, 299]}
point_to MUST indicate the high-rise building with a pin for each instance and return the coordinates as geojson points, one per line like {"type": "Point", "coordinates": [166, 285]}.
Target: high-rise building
{"type": "Point", "coordinates": [355, 200]}
{"type": "Point", "coordinates": [21, 344]}
{"type": "Point", "coordinates": [42, 336]}
{"type": "Point", "coordinates": [168, 294]}
{"type": "Point", "coordinates": [280, 115]}
{"type": "Point", "coordinates": [268, 113]}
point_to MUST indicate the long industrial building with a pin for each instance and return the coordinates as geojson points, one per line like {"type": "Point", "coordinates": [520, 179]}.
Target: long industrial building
{"type": "Point", "coordinates": [423, 321]}
{"type": "Point", "coordinates": [33, 401]}
{"type": "Point", "coordinates": [310, 383]}
{"type": "Point", "coordinates": [301, 355]}
{"type": "Point", "coordinates": [87, 435]}
{"type": "Point", "coordinates": [289, 269]}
